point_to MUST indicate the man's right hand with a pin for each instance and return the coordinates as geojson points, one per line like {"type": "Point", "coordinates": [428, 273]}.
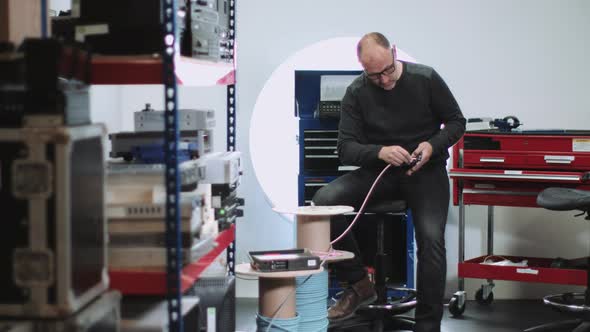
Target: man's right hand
{"type": "Point", "coordinates": [395, 155]}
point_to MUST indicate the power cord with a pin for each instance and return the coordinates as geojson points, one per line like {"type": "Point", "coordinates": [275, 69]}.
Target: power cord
{"type": "Point", "coordinates": [362, 209]}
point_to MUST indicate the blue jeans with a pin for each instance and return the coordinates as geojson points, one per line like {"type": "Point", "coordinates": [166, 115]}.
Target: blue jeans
{"type": "Point", "coordinates": [426, 193]}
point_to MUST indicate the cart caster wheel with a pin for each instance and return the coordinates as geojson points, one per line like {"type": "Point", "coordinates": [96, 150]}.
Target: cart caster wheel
{"type": "Point", "coordinates": [455, 306]}
{"type": "Point", "coordinates": [479, 297]}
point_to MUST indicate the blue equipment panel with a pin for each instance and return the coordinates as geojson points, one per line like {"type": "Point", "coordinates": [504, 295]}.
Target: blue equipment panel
{"type": "Point", "coordinates": [155, 153]}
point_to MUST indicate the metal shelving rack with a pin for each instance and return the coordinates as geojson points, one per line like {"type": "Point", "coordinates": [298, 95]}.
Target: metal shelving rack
{"type": "Point", "coordinates": [231, 118]}
{"type": "Point", "coordinates": [173, 231]}
{"type": "Point", "coordinates": [171, 70]}
{"type": "Point", "coordinates": [146, 70]}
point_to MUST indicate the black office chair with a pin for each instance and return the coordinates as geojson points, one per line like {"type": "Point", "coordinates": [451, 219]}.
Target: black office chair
{"type": "Point", "coordinates": [383, 314]}
{"type": "Point", "coordinates": [578, 304]}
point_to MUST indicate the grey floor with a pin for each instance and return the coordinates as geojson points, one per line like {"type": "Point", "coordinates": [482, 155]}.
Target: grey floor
{"type": "Point", "coordinates": [500, 316]}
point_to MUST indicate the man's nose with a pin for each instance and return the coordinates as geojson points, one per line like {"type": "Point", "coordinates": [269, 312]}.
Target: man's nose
{"type": "Point", "coordinates": [384, 78]}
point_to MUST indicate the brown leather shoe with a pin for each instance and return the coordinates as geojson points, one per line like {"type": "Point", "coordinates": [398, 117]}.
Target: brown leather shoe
{"type": "Point", "coordinates": [360, 293]}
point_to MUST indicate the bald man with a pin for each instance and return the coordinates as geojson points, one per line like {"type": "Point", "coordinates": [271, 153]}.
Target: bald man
{"type": "Point", "coordinates": [393, 114]}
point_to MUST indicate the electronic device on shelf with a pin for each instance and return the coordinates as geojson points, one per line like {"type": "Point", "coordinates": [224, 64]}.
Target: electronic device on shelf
{"type": "Point", "coordinates": [155, 154]}
{"type": "Point", "coordinates": [121, 173]}
{"type": "Point", "coordinates": [204, 30]}
{"type": "Point", "coordinates": [154, 257]}
{"type": "Point", "coordinates": [124, 144]}
{"type": "Point", "coordinates": [149, 119]}
{"type": "Point", "coordinates": [220, 167]}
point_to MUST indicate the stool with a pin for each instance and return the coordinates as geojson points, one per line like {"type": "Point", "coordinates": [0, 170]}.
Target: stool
{"type": "Point", "coordinates": [383, 314]}
{"type": "Point", "coordinates": [578, 304]}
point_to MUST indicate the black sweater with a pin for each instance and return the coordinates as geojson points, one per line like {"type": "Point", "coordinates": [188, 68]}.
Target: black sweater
{"type": "Point", "coordinates": [410, 113]}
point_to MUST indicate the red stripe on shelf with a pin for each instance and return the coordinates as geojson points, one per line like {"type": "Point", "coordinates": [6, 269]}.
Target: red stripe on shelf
{"type": "Point", "coordinates": [126, 70]}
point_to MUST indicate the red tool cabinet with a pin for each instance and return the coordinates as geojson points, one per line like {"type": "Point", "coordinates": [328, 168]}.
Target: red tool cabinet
{"type": "Point", "coordinates": [495, 168]}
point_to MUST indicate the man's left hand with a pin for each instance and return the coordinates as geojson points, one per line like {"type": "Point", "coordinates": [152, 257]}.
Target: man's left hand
{"type": "Point", "coordinates": [424, 149]}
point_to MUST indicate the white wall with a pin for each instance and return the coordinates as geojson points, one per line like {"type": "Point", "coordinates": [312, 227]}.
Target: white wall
{"type": "Point", "coordinates": [525, 58]}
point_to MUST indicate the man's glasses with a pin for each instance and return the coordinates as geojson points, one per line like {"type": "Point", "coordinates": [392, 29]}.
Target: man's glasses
{"type": "Point", "coordinates": [388, 71]}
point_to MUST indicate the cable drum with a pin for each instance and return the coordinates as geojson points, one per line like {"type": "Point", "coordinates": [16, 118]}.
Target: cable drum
{"type": "Point", "coordinates": [311, 298]}
{"type": "Point", "coordinates": [278, 324]}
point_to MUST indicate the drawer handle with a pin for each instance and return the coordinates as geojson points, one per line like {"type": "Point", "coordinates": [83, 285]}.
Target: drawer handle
{"type": "Point", "coordinates": [347, 168]}
{"type": "Point", "coordinates": [491, 159]}
{"type": "Point", "coordinates": [500, 192]}
{"type": "Point", "coordinates": [527, 271]}
{"type": "Point", "coordinates": [559, 159]}
{"type": "Point", "coordinates": [508, 176]}
{"type": "Point", "coordinates": [317, 156]}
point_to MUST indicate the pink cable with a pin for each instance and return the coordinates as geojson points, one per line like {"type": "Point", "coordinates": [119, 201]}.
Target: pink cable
{"type": "Point", "coordinates": [360, 211]}
{"type": "Point", "coordinates": [326, 254]}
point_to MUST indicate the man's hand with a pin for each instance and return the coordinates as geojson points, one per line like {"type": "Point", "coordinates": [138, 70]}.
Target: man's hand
{"type": "Point", "coordinates": [424, 149]}
{"type": "Point", "coordinates": [395, 155]}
